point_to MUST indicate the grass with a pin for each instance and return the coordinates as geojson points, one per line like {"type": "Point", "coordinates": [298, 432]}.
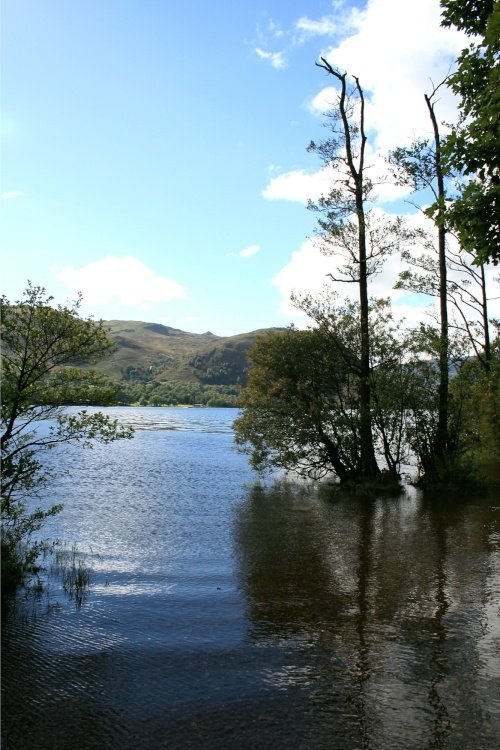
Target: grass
{"type": "Point", "coordinates": [70, 566]}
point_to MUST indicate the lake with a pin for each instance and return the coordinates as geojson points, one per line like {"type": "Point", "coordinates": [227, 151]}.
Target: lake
{"type": "Point", "coordinates": [224, 612]}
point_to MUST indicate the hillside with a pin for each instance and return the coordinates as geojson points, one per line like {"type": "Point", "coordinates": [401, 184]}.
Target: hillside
{"type": "Point", "coordinates": [157, 364]}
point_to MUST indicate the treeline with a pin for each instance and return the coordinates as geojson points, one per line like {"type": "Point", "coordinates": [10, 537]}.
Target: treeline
{"type": "Point", "coordinates": [174, 393]}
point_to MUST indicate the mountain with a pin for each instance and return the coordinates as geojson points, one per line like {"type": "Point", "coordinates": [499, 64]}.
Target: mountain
{"type": "Point", "coordinates": [157, 363]}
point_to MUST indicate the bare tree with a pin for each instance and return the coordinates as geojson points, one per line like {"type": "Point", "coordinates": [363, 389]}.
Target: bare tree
{"type": "Point", "coordinates": [347, 228]}
{"type": "Point", "coordinates": [444, 273]}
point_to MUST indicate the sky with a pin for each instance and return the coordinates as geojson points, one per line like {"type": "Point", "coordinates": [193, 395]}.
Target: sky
{"type": "Point", "coordinates": [154, 153]}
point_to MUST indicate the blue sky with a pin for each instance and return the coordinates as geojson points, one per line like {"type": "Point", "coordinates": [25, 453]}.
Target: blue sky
{"type": "Point", "coordinates": [154, 152]}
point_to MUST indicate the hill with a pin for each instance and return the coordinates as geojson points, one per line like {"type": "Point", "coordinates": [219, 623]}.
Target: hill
{"type": "Point", "coordinates": [157, 364]}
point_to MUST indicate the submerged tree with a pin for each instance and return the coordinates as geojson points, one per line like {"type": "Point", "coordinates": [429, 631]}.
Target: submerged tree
{"type": "Point", "coordinates": [301, 408]}
{"type": "Point", "coordinates": [43, 349]}
{"type": "Point", "coordinates": [298, 407]}
{"type": "Point", "coordinates": [348, 227]}
{"type": "Point", "coordinates": [421, 167]}
{"type": "Point", "coordinates": [448, 275]}
{"type": "Point", "coordinates": [329, 400]}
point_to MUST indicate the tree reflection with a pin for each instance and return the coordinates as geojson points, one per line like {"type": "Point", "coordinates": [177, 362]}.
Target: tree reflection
{"type": "Point", "coordinates": [377, 606]}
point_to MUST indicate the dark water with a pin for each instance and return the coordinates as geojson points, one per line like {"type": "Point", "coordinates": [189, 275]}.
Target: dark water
{"type": "Point", "coordinates": [224, 614]}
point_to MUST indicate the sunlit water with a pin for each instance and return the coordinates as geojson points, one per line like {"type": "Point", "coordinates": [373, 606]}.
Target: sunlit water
{"type": "Point", "coordinates": [228, 614]}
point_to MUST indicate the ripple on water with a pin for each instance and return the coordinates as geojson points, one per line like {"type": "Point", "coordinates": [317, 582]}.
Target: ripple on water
{"type": "Point", "coordinates": [228, 615]}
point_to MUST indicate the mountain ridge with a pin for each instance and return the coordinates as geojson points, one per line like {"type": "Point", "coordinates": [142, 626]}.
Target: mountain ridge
{"type": "Point", "coordinates": [153, 362]}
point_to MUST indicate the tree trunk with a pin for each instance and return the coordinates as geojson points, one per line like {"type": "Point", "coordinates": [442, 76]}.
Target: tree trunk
{"type": "Point", "coordinates": [368, 464]}
{"type": "Point", "coordinates": [484, 307]}
{"type": "Point", "coordinates": [441, 439]}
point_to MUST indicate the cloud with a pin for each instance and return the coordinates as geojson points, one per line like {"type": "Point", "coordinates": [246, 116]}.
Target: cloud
{"type": "Point", "coordinates": [396, 49]}
{"type": "Point", "coordinates": [325, 25]}
{"type": "Point", "coordinates": [127, 281]}
{"type": "Point", "coordinates": [400, 52]}
{"type": "Point", "coordinates": [248, 251]}
{"type": "Point", "coordinates": [298, 185]}
{"type": "Point", "coordinates": [275, 29]}
{"type": "Point", "coordinates": [276, 59]}
{"type": "Point", "coordinates": [324, 101]}
{"type": "Point", "coordinates": [307, 272]}
{"type": "Point", "coordinates": [8, 196]}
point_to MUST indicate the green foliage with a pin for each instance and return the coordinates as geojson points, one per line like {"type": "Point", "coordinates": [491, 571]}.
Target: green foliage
{"type": "Point", "coordinates": [470, 16]}
{"type": "Point", "coordinates": [154, 365]}
{"type": "Point", "coordinates": [40, 347]}
{"type": "Point", "coordinates": [175, 393]}
{"type": "Point", "coordinates": [226, 365]}
{"type": "Point", "coordinates": [347, 228]}
{"type": "Point", "coordinates": [286, 406]}
{"type": "Point", "coordinates": [472, 147]}
{"type": "Point", "coordinates": [476, 408]}
{"type": "Point", "coordinates": [301, 408]}
{"type": "Point", "coordinates": [317, 399]}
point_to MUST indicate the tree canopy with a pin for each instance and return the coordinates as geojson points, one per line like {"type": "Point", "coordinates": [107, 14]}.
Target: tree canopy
{"type": "Point", "coordinates": [43, 348]}
{"type": "Point", "coordinates": [301, 408]}
{"type": "Point", "coordinates": [472, 148]}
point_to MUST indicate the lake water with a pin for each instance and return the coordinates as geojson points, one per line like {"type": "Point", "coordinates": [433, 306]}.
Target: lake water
{"type": "Point", "coordinates": [224, 613]}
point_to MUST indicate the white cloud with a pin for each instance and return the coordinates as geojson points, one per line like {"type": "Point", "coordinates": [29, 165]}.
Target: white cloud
{"type": "Point", "coordinates": [248, 251]}
{"type": "Point", "coordinates": [298, 185]}
{"type": "Point", "coordinates": [396, 49]}
{"type": "Point", "coordinates": [384, 188]}
{"type": "Point", "coordinates": [399, 51]}
{"type": "Point", "coordinates": [276, 59]}
{"type": "Point", "coordinates": [325, 25]}
{"type": "Point", "coordinates": [307, 272]}
{"type": "Point", "coordinates": [301, 186]}
{"type": "Point", "coordinates": [324, 101]}
{"type": "Point", "coordinates": [275, 29]}
{"type": "Point", "coordinates": [9, 195]}
{"type": "Point", "coordinates": [127, 281]}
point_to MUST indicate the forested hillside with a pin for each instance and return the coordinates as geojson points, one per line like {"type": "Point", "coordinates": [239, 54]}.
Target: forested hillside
{"type": "Point", "coordinates": [156, 364]}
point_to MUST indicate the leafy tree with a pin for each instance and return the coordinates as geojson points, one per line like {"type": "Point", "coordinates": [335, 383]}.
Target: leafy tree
{"type": "Point", "coordinates": [41, 346]}
{"type": "Point", "coordinates": [476, 392]}
{"type": "Point", "coordinates": [390, 376]}
{"type": "Point", "coordinates": [301, 408]}
{"type": "Point", "coordinates": [472, 147]}
{"type": "Point", "coordinates": [296, 406]}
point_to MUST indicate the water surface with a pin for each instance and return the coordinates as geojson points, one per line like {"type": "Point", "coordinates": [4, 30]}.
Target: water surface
{"type": "Point", "coordinates": [229, 614]}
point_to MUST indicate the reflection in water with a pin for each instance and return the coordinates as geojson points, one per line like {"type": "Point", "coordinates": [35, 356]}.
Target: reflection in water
{"type": "Point", "coordinates": [224, 615]}
{"type": "Point", "coordinates": [380, 610]}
